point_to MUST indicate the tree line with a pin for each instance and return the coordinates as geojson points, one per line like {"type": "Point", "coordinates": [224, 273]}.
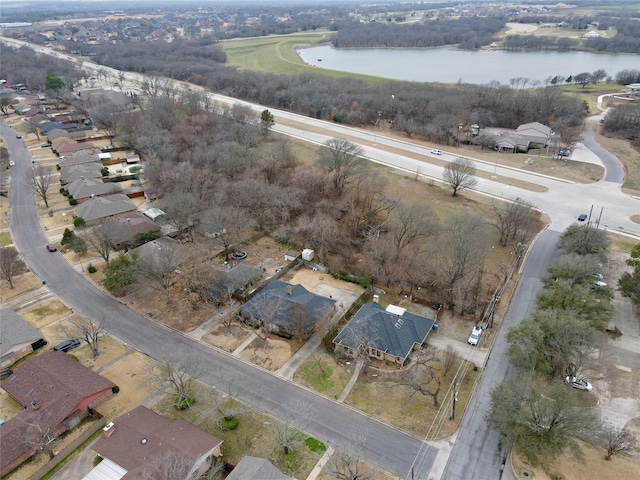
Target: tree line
{"type": "Point", "coordinates": [536, 410]}
{"type": "Point", "coordinates": [466, 32]}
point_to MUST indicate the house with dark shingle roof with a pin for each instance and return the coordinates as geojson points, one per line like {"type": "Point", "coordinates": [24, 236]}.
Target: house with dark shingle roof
{"type": "Point", "coordinates": [17, 337]}
{"type": "Point", "coordinates": [386, 334]}
{"type": "Point", "coordinates": [99, 208]}
{"type": "Point", "coordinates": [281, 307]}
{"type": "Point", "coordinates": [75, 172]}
{"type": "Point", "coordinates": [136, 444]}
{"type": "Point", "coordinates": [56, 392]}
{"type": "Point", "coordinates": [82, 189]}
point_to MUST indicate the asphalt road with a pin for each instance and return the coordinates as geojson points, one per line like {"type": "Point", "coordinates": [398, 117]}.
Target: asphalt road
{"type": "Point", "coordinates": [331, 422]}
{"type": "Point", "coordinates": [476, 453]}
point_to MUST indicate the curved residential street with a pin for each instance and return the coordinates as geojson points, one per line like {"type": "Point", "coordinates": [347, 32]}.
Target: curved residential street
{"type": "Point", "coordinates": [476, 453]}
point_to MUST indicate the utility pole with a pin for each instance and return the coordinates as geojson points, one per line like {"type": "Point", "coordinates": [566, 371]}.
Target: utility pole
{"type": "Point", "coordinates": [454, 399]}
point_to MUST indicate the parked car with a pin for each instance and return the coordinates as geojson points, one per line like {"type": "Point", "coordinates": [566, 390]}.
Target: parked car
{"type": "Point", "coordinates": [18, 137]}
{"type": "Point", "coordinates": [600, 283]}
{"type": "Point", "coordinates": [582, 217]}
{"type": "Point", "coordinates": [12, 163]}
{"type": "Point", "coordinates": [474, 338]}
{"type": "Point", "coordinates": [45, 145]}
{"type": "Point", "coordinates": [435, 151]}
{"type": "Point", "coordinates": [51, 247]}
{"type": "Point", "coordinates": [579, 383]}
{"type": "Point", "coordinates": [67, 345]}
{"type": "Point", "coordinates": [564, 153]}
{"type": "Point", "coordinates": [5, 372]}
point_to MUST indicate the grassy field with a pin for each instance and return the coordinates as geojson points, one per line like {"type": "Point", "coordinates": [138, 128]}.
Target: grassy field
{"type": "Point", "coordinates": [277, 54]}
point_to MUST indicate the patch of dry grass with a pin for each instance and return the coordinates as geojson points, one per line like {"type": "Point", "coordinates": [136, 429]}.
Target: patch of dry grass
{"type": "Point", "coordinates": [591, 465]}
{"type": "Point", "coordinates": [271, 356]}
{"type": "Point", "coordinates": [408, 410]}
{"type": "Point", "coordinates": [45, 313]}
{"type": "Point", "coordinates": [21, 284]}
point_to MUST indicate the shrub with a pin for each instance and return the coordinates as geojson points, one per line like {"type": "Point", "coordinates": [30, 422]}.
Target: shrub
{"type": "Point", "coordinates": [104, 171]}
{"type": "Point", "coordinates": [115, 389]}
{"type": "Point", "coordinates": [231, 424]}
{"type": "Point", "coordinates": [62, 190]}
{"type": "Point", "coordinates": [284, 335]}
{"type": "Point", "coordinates": [91, 269]}
{"type": "Point", "coordinates": [72, 201]}
{"type": "Point", "coordinates": [146, 236]}
{"type": "Point", "coordinates": [135, 169]}
{"type": "Point", "coordinates": [78, 222]}
{"type": "Point", "coordinates": [185, 403]}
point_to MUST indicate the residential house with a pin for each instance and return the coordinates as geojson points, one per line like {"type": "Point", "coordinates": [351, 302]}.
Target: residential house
{"type": "Point", "coordinates": [77, 172]}
{"type": "Point", "coordinates": [56, 392]}
{"type": "Point", "coordinates": [58, 132]}
{"type": "Point", "coordinates": [386, 334]}
{"type": "Point", "coordinates": [66, 146]}
{"type": "Point", "coordinates": [291, 309]}
{"type": "Point", "coordinates": [123, 230]}
{"type": "Point", "coordinates": [79, 158]}
{"type": "Point", "coordinates": [136, 444]}
{"type": "Point", "coordinates": [83, 189]}
{"type": "Point", "coordinates": [235, 279]}
{"type": "Point", "coordinates": [99, 208]}
{"type": "Point", "coordinates": [254, 468]}
{"type": "Point", "coordinates": [17, 337]}
{"type": "Point", "coordinates": [535, 132]}
{"type": "Point", "coordinates": [512, 143]}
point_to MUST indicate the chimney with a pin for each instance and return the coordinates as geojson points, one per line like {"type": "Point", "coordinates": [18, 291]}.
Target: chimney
{"type": "Point", "coordinates": [289, 289]}
{"type": "Point", "coordinates": [376, 299]}
{"type": "Point", "coordinates": [108, 429]}
{"type": "Point", "coordinates": [34, 405]}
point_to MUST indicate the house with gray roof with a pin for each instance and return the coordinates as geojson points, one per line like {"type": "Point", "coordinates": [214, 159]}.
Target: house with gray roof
{"type": "Point", "coordinates": [385, 334]}
{"type": "Point", "coordinates": [82, 189]}
{"type": "Point", "coordinates": [17, 337]}
{"type": "Point", "coordinates": [76, 172]}
{"type": "Point", "coordinates": [100, 208]}
{"type": "Point", "coordinates": [513, 143]}
{"type": "Point", "coordinates": [254, 468]}
{"type": "Point", "coordinates": [535, 132]}
{"type": "Point", "coordinates": [291, 309]}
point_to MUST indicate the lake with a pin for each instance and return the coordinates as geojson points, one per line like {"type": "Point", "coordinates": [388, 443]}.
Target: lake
{"type": "Point", "coordinates": [450, 66]}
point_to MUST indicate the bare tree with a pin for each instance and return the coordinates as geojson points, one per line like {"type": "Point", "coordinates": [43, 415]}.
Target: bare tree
{"type": "Point", "coordinates": [181, 371]}
{"type": "Point", "coordinates": [412, 223]}
{"type": "Point", "coordinates": [457, 258]}
{"type": "Point", "coordinates": [421, 377]}
{"type": "Point", "coordinates": [106, 115]}
{"type": "Point", "coordinates": [39, 437]}
{"type": "Point", "coordinates": [224, 404]}
{"type": "Point", "coordinates": [288, 431]}
{"type": "Point", "coordinates": [179, 205]}
{"type": "Point", "coordinates": [449, 357]}
{"type": "Point", "coordinates": [224, 225]}
{"type": "Point", "coordinates": [617, 441]}
{"type": "Point", "coordinates": [277, 156]}
{"type": "Point", "coordinates": [341, 159]}
{"type": "Point", "coordinates": [319, 231]}
{"type": "Point", "coordinates": [175, 465]}
{"type": "Point", "coordinates": [460, 174]}
{"type": "Point", "coordinates": [40, 179]}
{"type": "Point", "coordinates": [90, 330]}
{"type": "Point", "coordinates": [99, 238]}
{"type": "Point", "coordinates": [514, 220]}
{"type": "Point", "coordinates": [11, 264]}
{"type": "Point", "coordinates": [347, 461]}
{"type": "Point", "coordinates": [158, 266]}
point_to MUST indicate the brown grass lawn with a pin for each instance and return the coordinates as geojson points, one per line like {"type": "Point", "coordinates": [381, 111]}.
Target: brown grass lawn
{"type": "Point", "coordinates": [630, 158]}
{"type": "Point", "coordinates": [412, 413]}
{"type": "Point", "coordinates": [135, 375]}
{"type": "Point", "coordinates": [226, 339]}
{"type": "Point", "coordinates": [45, 313]}
{"type": "Point", "coordinates": [591, 466]}
{"type": "Point", "coordinates": [21, 284]}
{"type": "Point", "coordinates": [270, 356]}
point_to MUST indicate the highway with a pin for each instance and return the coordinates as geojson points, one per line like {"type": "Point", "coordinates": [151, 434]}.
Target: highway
{"type": "Point", "coordinates": [476, 453]}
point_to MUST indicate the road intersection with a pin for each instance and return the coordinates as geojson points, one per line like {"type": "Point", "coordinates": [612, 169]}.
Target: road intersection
{"type": "Point", "coordinates": [477, 452]}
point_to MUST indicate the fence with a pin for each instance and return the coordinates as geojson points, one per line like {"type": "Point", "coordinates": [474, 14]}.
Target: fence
{"type": "Point", "coordinates": [69, 449]}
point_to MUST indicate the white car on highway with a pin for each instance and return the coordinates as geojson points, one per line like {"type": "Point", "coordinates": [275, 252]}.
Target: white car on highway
{"type": "Point", "coordinates": [435, 151]}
